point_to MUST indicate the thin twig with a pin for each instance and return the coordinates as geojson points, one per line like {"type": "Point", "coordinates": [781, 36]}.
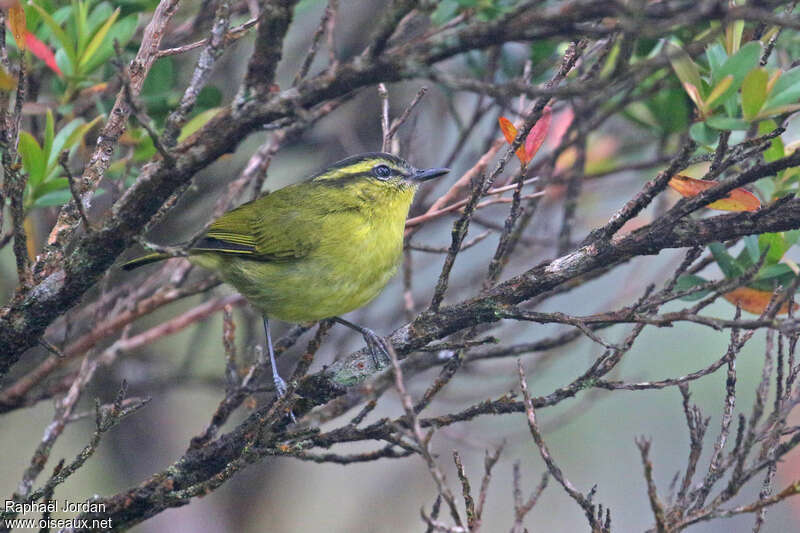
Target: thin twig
{"type": "Point", "coordinates": [63, 159]}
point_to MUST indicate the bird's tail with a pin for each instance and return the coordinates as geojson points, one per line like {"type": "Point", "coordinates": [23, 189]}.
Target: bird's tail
{"type": "Point", "coordinates": [144, 260]}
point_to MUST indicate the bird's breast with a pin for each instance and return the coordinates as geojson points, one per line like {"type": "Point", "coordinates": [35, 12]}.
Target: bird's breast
{"type": "Point", "coordinates": [358, 252]}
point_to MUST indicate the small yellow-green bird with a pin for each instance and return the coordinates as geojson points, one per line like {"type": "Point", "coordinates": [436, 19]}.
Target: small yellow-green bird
{"type": "Point", "coordinates": [316, 249]}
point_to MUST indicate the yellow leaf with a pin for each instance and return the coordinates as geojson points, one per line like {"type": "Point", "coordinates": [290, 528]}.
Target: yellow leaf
{"type": "Point", "coordinates": [772, 79]}
{"type": "Point", "coordinates": [719, 89]}
{"type": "Point", "coordinates": [737, 200]}
{"type": "Point", "coordinates": [767, 36]}
{"type": "Point", "coordinates": [733, 36]}
{"type": "Point", "coordinates": [781, 109]}
{"type": "Point", "coordinates": [197, 122]}
{"type": "Point", "coordinates": [16, 21]}
{"type": "Point", "coordinates": [753, 300]}
{"type": "Point", "coordinates": [7, 81]}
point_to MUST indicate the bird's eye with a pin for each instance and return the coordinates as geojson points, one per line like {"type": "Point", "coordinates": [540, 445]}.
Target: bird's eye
{"type": "Point", "coordinates": [382, 171]}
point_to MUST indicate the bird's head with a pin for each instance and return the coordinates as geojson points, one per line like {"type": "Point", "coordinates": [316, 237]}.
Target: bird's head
{"type": "Point", "coordinates": [376, 170]}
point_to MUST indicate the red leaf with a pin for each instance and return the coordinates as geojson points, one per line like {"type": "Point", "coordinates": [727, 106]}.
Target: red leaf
{"type": "Point", "coordinates": [42, 51]}
{"type": "Point", "coordinates": [510, 133]}
{"type": "Point", "coordinates": [538, 133]}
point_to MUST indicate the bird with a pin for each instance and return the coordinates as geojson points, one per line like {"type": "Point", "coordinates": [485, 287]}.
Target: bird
{"type": "Point", "coordinates": [316, 249]}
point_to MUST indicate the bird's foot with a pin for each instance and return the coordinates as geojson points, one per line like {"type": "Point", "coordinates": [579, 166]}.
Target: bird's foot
{"type": "Point", "coordinates": [280, 391]}
{"type": "Point", "coordinates": [376, 344]}
{"type": "Point", "coordinates": [377, 347]}
{"type": "Point", "coordinates": [280, 385]}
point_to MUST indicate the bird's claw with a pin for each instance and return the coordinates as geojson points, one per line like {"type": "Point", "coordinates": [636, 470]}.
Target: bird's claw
{"type": "Point", "coordinates": [280, 385]}
{"type": "Point", "coordinates": [376, 346]}
{"type": "Point", "coordinates": [280, 390]}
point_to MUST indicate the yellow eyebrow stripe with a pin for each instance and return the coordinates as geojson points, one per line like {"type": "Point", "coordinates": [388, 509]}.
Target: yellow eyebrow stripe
{"type": "Point", "coordinates": [350, 170]}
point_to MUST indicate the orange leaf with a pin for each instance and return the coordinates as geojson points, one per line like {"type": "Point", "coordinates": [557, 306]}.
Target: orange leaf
{"type": "Point", "coordinates": [42, 51]}
{"type": "Point", "coordinates": [16, 21]}
{"type": "Point", "coordinates": [737, 200]}
{"type": "Point", "coordinates": [694, 94]}
{"type": "Point", "coordinates": [754, 301]}
{"type": "Point", "coordinates": [538, 133]}
{"type": "Point", "coordinates": [510, 133]}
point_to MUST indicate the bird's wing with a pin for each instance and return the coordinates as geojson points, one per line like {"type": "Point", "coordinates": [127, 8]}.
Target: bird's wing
{"type": "Point", "coordinates": [273, 227]}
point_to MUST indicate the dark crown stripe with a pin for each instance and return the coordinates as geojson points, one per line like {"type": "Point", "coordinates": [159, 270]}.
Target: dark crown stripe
{"type": "Point", "coordinates": [366, 157]}
{"type": "Point", "coordinates": [329, 173]}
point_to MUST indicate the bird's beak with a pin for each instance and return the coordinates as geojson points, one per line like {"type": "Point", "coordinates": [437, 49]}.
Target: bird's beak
{"type": "Point", "coordinates": [428, 174]}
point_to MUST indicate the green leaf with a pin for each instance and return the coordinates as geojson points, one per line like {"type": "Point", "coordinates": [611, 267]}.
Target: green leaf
{"type": "Point", "coordinates": [446, 10]}
{"type": "Point", "coordinates": [703, 134]}
{"type": "Point", "coordinates": [144, 150]}
{"type": "Point", "coordinates": [640, 113]}
{"type": "Point", "coordinates": [776, 148]}
{"type": "Point", "coordinates": [791, 237]}
{"type": "Point", "coordinates": [685, 68]}
{"type": "Point", "coordinates": [786, 89]}
{"type": "Point", "coordinates": [32, 158]}
{"type": "Point", "coordinates": [98, 38]}
{"type": "Point", "coordinates": [671, 109]}
{"type": "Point", "coordinates": [727, 123]}
{"type": "Point", "coordinates": [772, 276]}
{"type": "Point", "coordinates": [738, 65]}
{"type": "Point", "coordinates": [766, 187]}
{"type": "Point", "coordinates": [774, 271]}
{"type": "Point", "coordinates": [753, 250]}
{"type": "Point", "coordinates": [754, 92]}
{"type": "Point", "coordinates": [542, 50]}
{"type": "Point", "coordinates": [208, 97]}
{"type": "Point", "coordinates": [777, 246]}
{"type": "Point", "coordinates": [49, 133]}
{"type": "Point", "coordinates": [726, 262]}
{"type": "Point", "coordinates": [60, 15]}
{"type": "Point", "coordinates": [687, 281]}
{"type": "Point", "coordinates": [64, 63]}
{"type": "Point", "coordinates": [196, 123]}
{"type": "Point", "coordinates": [80, 14]}
{"type": "Point", "coordinates": [123, 32]}
{"type": "Point", "coordinates": [76, 136]}
{"type": "Point", "coordinates": [716, 58]}
{"type": "Point", "coordinates": [32, 18]}
{"type": "Point", "coordinates": [59, 197]}
{"type": "Point", "coordinates": [60, 139]}
{"type": "Point", "coordinates": [160, 80]}
{"type": "Point", "coordinates": [780, 110]}
{"type": "Point", "coordinates": [66, 43]}
{"type": "Point", "coordinates": [742, 62]}
{"type": "Point", "coordinates": [98, 16]}
{"type": "Point", "coordinates": [54, 184]}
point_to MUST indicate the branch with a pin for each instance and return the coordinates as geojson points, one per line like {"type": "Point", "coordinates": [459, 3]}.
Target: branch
{"type": "Point", "coordinates": [62, 284]}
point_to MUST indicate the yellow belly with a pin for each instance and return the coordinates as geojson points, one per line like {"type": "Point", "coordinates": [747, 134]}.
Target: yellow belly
{"type": "Point", "coordinates": [339, 276]}
{"type": "Point", "coordinates": [307, 290]}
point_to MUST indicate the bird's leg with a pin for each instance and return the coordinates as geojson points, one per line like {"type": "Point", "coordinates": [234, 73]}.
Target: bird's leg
{"type": "Point", "coordinates": [375, 343]}
{"type": "Point", "coordinates": [280, 384]}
